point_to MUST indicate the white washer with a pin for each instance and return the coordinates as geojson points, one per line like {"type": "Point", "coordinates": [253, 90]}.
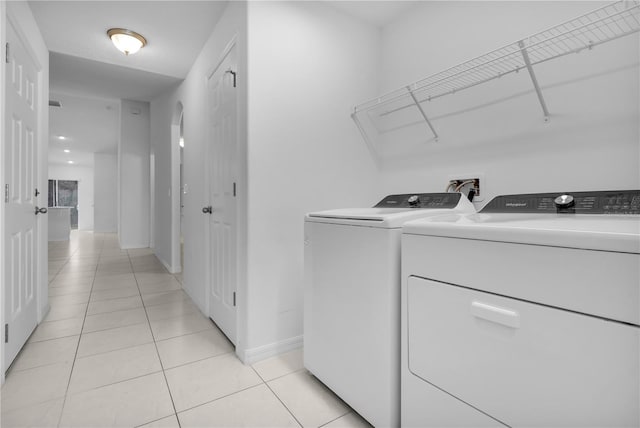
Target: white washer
{"type": "Point", "coordinates": [352, 299]}
{"type": "Point", "coordinates": [525, 314]}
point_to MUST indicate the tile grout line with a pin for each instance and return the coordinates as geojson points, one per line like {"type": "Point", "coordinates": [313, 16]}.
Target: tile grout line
{"type": "Point", "coordinates": [155, 345]}
{"type": "Point", "coordinates": [276, 395]}
{"type": "Point", "coordinates": [221, 397]}
{"type": "Point", "coordinates": [66, 392]}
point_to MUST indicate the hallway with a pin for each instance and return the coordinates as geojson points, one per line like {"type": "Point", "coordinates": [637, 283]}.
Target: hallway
{"type": "Point", "coordinates": [124, 346]}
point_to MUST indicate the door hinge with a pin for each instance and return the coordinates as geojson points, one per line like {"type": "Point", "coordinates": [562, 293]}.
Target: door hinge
{"type": "Point", "coordinates": [37, 192]}
{"type": "Point", "coordinates": [234, 190]}
{"type": "Point", "coordinates": [234, 298]}
{"type": "Point", "coordinates": [6, 193]}
{"type": "Point", "coordinates": [6, 333]}
{"type": "Point", "coordinates": [6, 53]}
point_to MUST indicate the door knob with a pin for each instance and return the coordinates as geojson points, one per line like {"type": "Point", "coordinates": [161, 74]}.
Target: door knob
{"type": "Point", "coordinates": [41, 210]}
{"type": "Point", "coordinates": [207, 210]}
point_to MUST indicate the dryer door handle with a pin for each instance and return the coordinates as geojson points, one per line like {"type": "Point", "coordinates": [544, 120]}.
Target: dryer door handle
{"type": "Point", "coordinates": [496, 314]}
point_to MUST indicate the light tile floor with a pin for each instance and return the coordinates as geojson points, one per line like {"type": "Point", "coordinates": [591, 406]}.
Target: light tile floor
{"type": "Point", "coordinates": [124, 346]}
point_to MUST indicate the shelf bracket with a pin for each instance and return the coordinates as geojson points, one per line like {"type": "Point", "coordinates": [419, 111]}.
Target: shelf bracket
{"type": "Point", "coordinates": [534, 80]}
{"type": "Point", "coordinates": [424, 115]}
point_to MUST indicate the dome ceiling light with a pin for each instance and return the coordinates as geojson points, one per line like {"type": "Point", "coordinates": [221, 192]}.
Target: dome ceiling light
{"type": "Point", "coordinates": [127, 41]}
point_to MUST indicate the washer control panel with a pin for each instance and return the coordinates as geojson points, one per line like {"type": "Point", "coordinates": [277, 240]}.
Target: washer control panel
{"type": "Point", "coordinates": [607, 202]}
{"type": "Point", "coordinates": [420, 200]}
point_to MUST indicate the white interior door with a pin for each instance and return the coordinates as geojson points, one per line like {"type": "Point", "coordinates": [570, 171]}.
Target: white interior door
{"type": "Point", "coordinates": [222, 167]}
{"type": "Point", "coordinates": [20, 176]}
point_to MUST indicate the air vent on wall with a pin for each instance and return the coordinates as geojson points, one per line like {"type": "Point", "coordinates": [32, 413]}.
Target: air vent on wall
{"type": "Point", "coordinates": [54, 103]}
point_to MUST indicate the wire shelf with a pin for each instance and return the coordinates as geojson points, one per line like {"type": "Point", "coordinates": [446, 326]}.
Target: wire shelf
{"type": "Point", "coordinates": [602, 25]}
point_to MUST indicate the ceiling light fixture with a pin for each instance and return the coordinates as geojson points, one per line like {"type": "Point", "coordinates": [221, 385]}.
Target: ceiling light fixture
{"type": "Point", "coordinates": [127, 41]}
{"type": "Point", "coordinates": [61, 137]}
{"type": "Point", "coordinates": [69, 161]}
{"type": "Point", "coordinates": [67, 151]}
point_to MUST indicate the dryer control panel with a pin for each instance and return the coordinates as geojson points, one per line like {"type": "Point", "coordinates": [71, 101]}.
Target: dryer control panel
{"type": "Point", "coordinates": [420, 200]}
{"type": "Point", "coordinates": [602, 202]}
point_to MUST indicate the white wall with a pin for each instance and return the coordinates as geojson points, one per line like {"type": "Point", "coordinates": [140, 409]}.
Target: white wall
{"type": "Point", "coordinates": [192, 93]}
{"type": "Point", "coordinates": [20, 14]}
{"type": "Point", "coordinates": [590, 143]}
{"type": "Point", "coordinates": [105, 170]}
{"type": "Point", "coordinates": [133, 166]}
{"type": "Point", "coordinates": [84, 176]}
{"type": "Point", "coordinates": [309, 64]}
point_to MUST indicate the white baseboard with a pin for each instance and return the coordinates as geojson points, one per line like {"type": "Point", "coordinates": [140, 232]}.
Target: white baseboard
{"type": "Point", "coordinates": [170, 268]}
{"type": "Point", "coordinates": [133, 246]}
{"type": "Point", "coordinates": [253, 355]}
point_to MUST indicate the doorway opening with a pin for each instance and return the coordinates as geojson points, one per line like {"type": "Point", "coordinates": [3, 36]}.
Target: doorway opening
{"type": "Point", "coordinates": [64, 194]}
{"type": "Point", "coordinates": [182, 191]}
{"type": "Point", "coordinates": [179, 191]}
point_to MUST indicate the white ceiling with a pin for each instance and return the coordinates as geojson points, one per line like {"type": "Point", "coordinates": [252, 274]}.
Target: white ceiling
{"type": "Point", "coordinates": [87, 73]}
{"type": "Point", "coordinates": [175, 30]}
{"type": "Point", "coordinates": [84, 77]}
{"type": "Point", "coordinates": [88, 125]}
{"type": "Point", "coordinates": [375, 12]}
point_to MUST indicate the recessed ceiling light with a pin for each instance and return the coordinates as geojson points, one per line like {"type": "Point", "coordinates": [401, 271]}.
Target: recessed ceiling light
{"type": "Point", "coordinates": [126, 41]}
{"type": "Point", "coordinates": [69, 161]}
{"type": "Point", "coordinates": [61, 137]}
{"type": "Point", "coordinates": [67, 151]}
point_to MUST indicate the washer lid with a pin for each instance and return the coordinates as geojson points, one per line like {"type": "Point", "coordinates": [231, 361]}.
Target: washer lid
{"type": "Point", "coordinates": [619, 233]}
{"type": "Point", "coordinates": [426, 204]}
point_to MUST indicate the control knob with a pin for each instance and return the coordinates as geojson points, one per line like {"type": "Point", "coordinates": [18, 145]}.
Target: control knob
{"type": "Point", "coordinates": [564, 201]}
{"type": "Point", "coordinates": [414, 200]}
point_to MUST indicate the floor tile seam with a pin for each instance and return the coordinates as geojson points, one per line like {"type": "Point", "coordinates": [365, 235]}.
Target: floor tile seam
{"type": "Point", "coordinates": [115, 349]}
{"type": "Point", "coordinates": [187, 334]}
{"type": "Point", "coordinates": [83, 357]}
{"type": "Point", "coordinates": [103, 274]}
{"type": "Point", "coordinates": [110, 298]}
{"type": "Point", "coordinates": [160, 304]}
{"type": "Point", "coordinates": [32, 404]}
{"type": "Point", "coordinates": [72, 293]}
{"type": "Point", "coordinates": [65, 282]}
{"type": "Point", "coordinates": [61, 319]}
{"type": "Point", "coordinates": [14, 370]}
{"type": "Point", "coordinates": [64, 304]}
{"type": "Point", "coordinates": [220, 398]}
{"type": "Point", "coordinates": [189, 314]}
{"type": "Point", "coordinates": [158, 283]}
{"type": "Point", "coordinates": [155, 345]}
{"type": "Point", "coordinates": [75, 356]}
{"type": "Point", "coordinates": [65, 286]}
{"type": "Point", "coordinates": [52, 321]}
{"type": "Point", "coordinates": [341, 416]}
{"type": "Point", "coordinates": [53, 338]}
{"type": "Point", "coordinates": [196, 361]}
{"type": "Point", "coordinates": [277, 397]}
{"type": "Point", "coordinates": [180, 335]}
{"type": "Point", "coordinates": [283, 375]}
{"type": "Point", "coordinates": [117, 310]}
{"type": "Point", "coordinates": [174, 316]}
{"type": "Point", "coordinates": [83, 391]}
{"type": "Point", "coordinates": [111, 328]}
{"type": "Point", "coordinates": [157, 420]}
{"type": "Point", "coordinates": [58, 272]}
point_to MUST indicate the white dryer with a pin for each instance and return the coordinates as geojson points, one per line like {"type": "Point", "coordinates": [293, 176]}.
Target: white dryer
{"type": "Point", "coordinates": [352, 299]}
{"type": "Point", "coordinates": [524, 314]}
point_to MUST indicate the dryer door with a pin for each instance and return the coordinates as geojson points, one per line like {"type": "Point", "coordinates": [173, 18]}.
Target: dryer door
{"type": "Point", "coordinates": [524, 364]}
